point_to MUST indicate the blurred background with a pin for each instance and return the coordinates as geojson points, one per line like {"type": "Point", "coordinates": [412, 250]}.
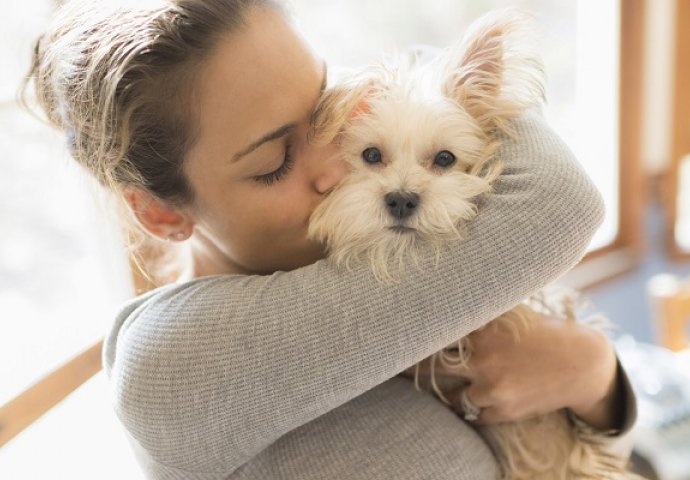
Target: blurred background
{"type": "Point", "coordinates": [618, 91]}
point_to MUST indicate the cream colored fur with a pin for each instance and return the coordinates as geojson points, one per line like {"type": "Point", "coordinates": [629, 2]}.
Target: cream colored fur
{"type": "Point", "coordinates": [573, 451]}
{"type": "Point", "coordinates": [411, 112]}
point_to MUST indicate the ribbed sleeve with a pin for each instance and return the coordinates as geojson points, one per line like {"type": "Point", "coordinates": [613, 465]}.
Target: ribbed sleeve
{"type": "Point", "coordinates": [207, 374]}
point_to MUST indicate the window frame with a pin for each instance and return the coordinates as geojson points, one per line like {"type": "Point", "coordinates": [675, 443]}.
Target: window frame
{"type": "Point", "coordinates": [680, 128]}
{"type": "Point", "coordinates": [625, 252]}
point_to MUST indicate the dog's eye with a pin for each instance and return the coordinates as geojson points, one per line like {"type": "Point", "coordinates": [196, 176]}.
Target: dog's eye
{"type": "Point", "coordinates": [372, 155]}
{"type": "Point", "coordinates": [444, 159]}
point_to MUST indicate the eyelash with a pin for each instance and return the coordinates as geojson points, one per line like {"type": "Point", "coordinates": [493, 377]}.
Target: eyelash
{"type": "Point", "coordinates": [277, 175]}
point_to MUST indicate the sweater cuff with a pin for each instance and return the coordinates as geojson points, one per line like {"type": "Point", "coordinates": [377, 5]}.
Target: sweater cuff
{"type": "Point", "coordinates": [628, 404]}
{"type": "Point", "coordinates": [619, 440]}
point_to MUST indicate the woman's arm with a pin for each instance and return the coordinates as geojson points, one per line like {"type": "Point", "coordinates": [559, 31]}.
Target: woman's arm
{"type": "Point", "coordinates": [212, 371]}
{"type": "Point", "coordinates": [554, 364]}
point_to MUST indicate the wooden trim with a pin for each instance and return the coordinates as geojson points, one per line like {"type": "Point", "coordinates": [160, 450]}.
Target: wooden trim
{"type": "Point", "coordinates": [632, 193]}
{"type": "Point", "coordinates": [628, 246]}
{"type": "Point", "coordinates": [604, 267]}
{"type": "Point", "coordinates": [22, 411]}
{"type": "Point", "coordinates": [680, 127]}
{"type": "Point", "coordinates": [30, 405]}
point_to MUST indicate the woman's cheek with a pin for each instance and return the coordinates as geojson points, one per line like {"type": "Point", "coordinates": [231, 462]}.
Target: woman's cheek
{"type": "Point", "coordinates": [294, 204]}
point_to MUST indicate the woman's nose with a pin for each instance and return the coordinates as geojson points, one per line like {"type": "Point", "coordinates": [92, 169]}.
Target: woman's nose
{"type": "Point", "coordinates": [328, 167]}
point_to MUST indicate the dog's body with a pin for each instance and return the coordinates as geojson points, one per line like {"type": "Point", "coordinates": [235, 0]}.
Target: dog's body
{"type": "Point", "coordinates": [556, 446]}
{"type": "Point", "coordinates": [420, 141]}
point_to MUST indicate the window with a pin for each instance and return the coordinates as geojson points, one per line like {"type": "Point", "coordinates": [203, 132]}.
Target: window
{"type": "Point", "coordinates": [62, 269]}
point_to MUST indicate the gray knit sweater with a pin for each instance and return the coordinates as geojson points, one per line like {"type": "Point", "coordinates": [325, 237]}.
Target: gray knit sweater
{"type": "Point", "coordinates": [293, 375]}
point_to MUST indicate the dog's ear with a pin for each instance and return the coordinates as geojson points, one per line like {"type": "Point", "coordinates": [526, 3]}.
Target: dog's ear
{"type": "Point", "coordinates": [495, 72]}
{"type": "Point", "coordinates": [342, 104]}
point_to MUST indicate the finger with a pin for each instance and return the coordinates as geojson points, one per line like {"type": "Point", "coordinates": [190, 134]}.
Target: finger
{"type": "Point", "coordinates": [441, 368]}
{"type": "Point", "coordinates": [489, 414]}
{"type": "Point", "coordinates": [479, 396]}
{"type": "Point", "coordinates": [465, 405]}
{"type": "Point", "coordinates": [492, 416]}
{"type": "Point", "coordinates": [467, 373]}
{"type": "Point", "coordinates": [494, 409]}
{"type": "Point", "coordinates": [495, 413]}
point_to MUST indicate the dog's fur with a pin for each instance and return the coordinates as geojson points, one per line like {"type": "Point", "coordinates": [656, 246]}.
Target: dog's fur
{"type": "Point", "coordinates": [459, 103]}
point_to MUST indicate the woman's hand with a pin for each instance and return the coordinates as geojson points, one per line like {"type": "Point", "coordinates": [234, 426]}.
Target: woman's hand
{"type": "Point", "coordinates": [555, 364]}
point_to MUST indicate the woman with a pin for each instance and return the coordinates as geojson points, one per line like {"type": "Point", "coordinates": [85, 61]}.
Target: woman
{"type": "Point", "coordinates": [265, 362]}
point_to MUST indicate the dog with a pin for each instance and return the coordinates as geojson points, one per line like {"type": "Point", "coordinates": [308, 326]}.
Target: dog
{"type": "Point", "coordinates": [420, 140]}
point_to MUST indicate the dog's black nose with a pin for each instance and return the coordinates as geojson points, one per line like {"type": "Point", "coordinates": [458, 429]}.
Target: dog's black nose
{"type": "Point", "coordinates": [401, 204]}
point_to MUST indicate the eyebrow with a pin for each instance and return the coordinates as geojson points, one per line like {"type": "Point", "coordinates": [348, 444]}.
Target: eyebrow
{"type": "Point", "coordinates": [280, 131]}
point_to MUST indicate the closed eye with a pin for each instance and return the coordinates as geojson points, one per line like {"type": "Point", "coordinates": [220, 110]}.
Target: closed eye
{"type": "Point", "coordinates": [280, 172]}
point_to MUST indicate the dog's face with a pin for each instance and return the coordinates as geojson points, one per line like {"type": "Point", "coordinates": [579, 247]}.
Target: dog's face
{"type": "Point", "coordinates": [410, 178]}
{"type": "Point", "coordinates": [419, 146]}
{"type": "Point", "coordinates": [410, 161]}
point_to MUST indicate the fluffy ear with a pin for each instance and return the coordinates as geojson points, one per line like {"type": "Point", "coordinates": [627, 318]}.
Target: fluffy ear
{"type": "Point", "coordinates": [342, 104]}
{"type": "Point", "coordinates": [495, 72]}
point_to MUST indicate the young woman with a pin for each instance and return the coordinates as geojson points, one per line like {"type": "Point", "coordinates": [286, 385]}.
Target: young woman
{"type": "Point", "coordinates": [265, 362]}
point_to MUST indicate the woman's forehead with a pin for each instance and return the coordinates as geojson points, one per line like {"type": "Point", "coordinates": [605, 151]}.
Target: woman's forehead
{"type": "Point", "coordinates": [258, 78]}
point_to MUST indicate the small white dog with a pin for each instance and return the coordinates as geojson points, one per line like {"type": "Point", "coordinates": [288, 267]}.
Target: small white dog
{"type": "Point", "coordinates": [420, 141]}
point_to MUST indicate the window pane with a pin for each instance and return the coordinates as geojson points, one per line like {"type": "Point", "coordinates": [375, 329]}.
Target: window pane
{"type": "Point", "coordinates": [62, 269]}
{"type": "Point", "coordinates": [580, 49]}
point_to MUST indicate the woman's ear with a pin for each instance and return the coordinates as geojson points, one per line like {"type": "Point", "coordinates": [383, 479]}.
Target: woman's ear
{"type": "Point", "coordinates": [158, 218]}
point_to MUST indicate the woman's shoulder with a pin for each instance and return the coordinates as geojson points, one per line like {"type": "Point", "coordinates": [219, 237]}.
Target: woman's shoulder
{"type": "Point", "coordinates": [160, 349]}
{"type": "Point", "coordinates": [148, 323]}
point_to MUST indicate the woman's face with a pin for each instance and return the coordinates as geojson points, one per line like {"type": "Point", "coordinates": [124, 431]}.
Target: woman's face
{"type": "Point", "coordinates": [255, 177]}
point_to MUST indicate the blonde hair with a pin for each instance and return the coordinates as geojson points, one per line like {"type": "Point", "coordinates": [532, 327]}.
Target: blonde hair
{"type": "Point", "coordinates": [118, 79]}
